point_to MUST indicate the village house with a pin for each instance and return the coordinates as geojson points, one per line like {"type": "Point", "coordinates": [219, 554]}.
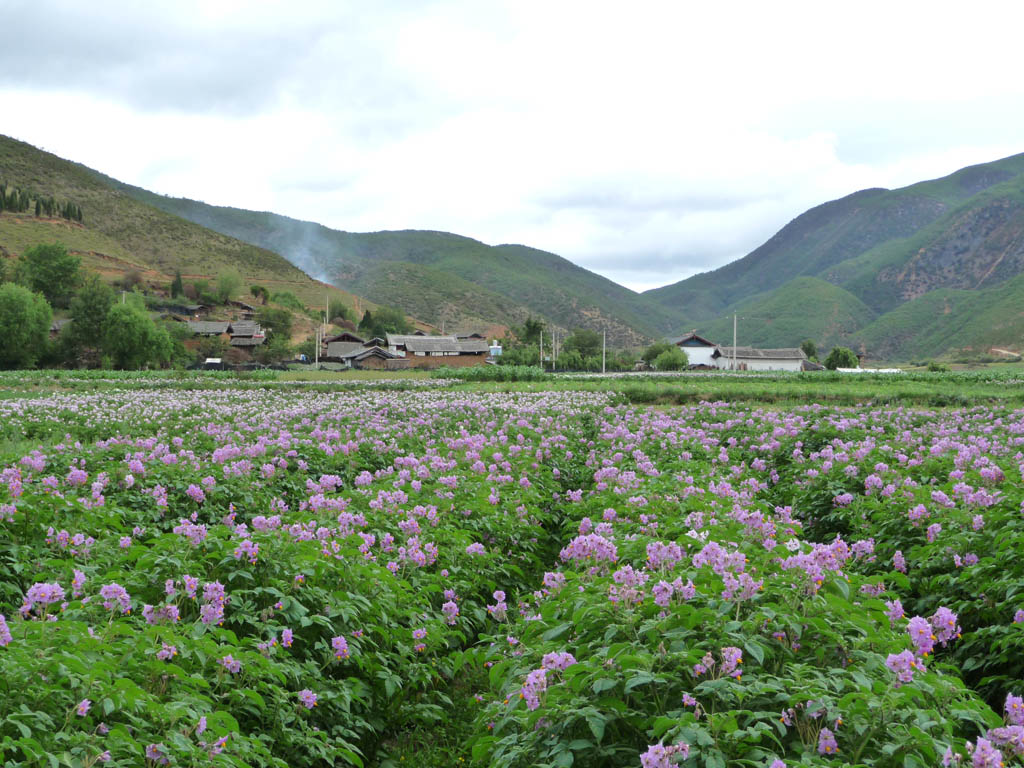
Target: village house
{"type": "Point", "coordinates": [208, 328]}
{"type": "Point", "coordinates": [699, 351]}
{"type": "Point", "coordinates": [703, 353]}
{"type": "Point", "coordinates": [436, 351]}
{"type": "Point", "coordinates": [247, 334]}
{"type": "Point", "coordinates": [751, 359]}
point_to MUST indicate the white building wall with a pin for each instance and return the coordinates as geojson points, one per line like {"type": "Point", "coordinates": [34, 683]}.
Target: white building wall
{"type": "Point", "coordinates": [699, 355]}
{"type": "Point", "coordinates": [759, 364]}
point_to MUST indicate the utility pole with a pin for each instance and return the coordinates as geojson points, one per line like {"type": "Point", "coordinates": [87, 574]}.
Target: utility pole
{"type": "Point", "coordinates": [734, 341]}
{"type": "Point", "coordinates": [604, 345]}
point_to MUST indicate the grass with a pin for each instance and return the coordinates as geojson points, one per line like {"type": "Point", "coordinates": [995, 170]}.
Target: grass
{"type": "Point", "coordinates": [955, 389]}
{"type": "Point", "coordinates": [352, 375]}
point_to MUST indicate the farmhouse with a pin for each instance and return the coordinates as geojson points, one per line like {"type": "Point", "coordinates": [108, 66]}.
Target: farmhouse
{"type": "Point", "coordinates": [246, 333]}
{"type": "Point", "coordinates": [751, 359]}
{"type": "Point", "coordinates": [435, 351]}
{"type": "Point", "coordinates": [699, 351]}
{"type": "Point", "coordinates": [210, 328]}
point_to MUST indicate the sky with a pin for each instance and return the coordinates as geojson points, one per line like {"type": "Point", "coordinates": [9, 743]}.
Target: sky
{"type": "Point", "coordinates": [645, 141]}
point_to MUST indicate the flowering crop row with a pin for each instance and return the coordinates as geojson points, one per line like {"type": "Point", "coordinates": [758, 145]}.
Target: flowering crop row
{"type": "Point", "coordinates": [276, 577]}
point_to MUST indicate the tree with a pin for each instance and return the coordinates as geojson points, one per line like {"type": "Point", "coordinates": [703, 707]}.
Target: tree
{"type": "Point", "coordinates": [132, 340]}
{"type": "Point", "coordinates": [81, 340]}
{"type": "Point", "coordinates": [212, 346]}
{"type": "Point", "coordinates": [131, 279]}
{"type": "Point", "coordinates": [228, 283]}
{"type": "Point", "coordinates": [259, 292]}
{"type": "Point", "coordinates": [841, 357]}
{"type": "Point", "coordinates": [674, 359]}
{"type": "Point", "coordinates": [387, 320]}
{"type": "Point", "coordinates": [656, 349]}
{"type": "Point", "coordinates": [277, 322]}
{"type": "Point", "coordinates": [276, 349]}
{"type": "Point", "coordinates": [177, 286]}
{"type": "Point", "coordinates": [810, 349]}
{"type": "Point", "coordinates": [588, 343]}
{"type": "Point", "coordinates": [24, 326]}
{"type": "Point", "coordinates": [569, 360]}
{"type": "Point", "coordinates": [51, 271]}
{"type": "Point", "coordinates": [367, 322]}
{"type": "Point", "coordinates": [530, 332]}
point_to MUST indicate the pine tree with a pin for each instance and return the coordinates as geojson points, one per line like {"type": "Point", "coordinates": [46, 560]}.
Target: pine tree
{"type": "Point", "coordinates": [177, 287]}
{"type": "Point", "coordinates": [39, 208]}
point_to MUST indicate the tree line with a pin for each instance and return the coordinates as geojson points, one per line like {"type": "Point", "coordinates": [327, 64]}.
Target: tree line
{"type": "Point", "coordinates": [101, 331]}
{"type": "Point", "coordinates": [18, 200]}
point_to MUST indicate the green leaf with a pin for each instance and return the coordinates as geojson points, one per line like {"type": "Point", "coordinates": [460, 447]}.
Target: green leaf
{"type": "Point", "coordinates": [640, 678]}
{"type": "Point", "coordinates": [556, 632]}
{"type": "Point", "coordinates": [755, 651]}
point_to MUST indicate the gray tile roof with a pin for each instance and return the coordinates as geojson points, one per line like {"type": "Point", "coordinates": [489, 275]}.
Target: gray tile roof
{"type": "Point", "coordinates": [208, 327]}
{"type": "Point", "coordinates": [346, 336]}
{"type": "Point", "coordinates": [763, 354]}
{"type": "Point", "coordinates": [247, 341]}
{"type": "Point", "coordinates": [691, 336]}
{"type": "Point", "coordinates": [374, 352]}
{"type": "Point", "coordinates": [245, 328]}
{"type": "Point", "coordinates": [473, 347]}
{"type": "Point", "coordinates": [432, 344]}
{"type": "Point", "coordinates": [343, 349]}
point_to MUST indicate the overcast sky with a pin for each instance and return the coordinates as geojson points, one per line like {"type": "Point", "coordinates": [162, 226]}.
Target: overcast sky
{"type": "Point", "coordinates": [646, 141]}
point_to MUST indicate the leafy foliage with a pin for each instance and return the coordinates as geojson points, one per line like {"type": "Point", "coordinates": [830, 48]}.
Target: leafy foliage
{"type": "Point", "coordinates": [81, 341]}
{"type": "Point", "coordinates": [384, 320]}
{"type": "Point", "coordinates": [229, 282]}
{"type": "Point", "coordinates": [841, 357]}
{"type": "Point", "coordinates": [24, 326]}
{"type": "Point", "coordinates": [51, 271]}
{"type": "Point", "coordinates": [673, 359]}
{"type": "Point", "coordinates": [132, 340]}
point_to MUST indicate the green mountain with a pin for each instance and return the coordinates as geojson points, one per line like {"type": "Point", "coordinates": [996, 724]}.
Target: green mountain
{"type": "Point", "coordinates": [930, 269]}
{"type": "Point", "coordinates": [440, 277]}
{"type": "Point", "coordinates": [828, 314]}
{"type": "Point", "coordinates": [119, 233]}
{"type": "Point", "coordinates": [912, 269]}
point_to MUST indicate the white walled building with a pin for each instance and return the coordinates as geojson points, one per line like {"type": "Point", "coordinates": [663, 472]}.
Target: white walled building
{"type": "Point", "coordinates": [750, 359]}
{"type": "Point", "coordinates": [698, 350]}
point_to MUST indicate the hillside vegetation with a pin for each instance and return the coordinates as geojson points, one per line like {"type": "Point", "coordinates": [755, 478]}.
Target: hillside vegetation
{"type": "Point", "coordinates": [886, 253]}
{"type": "Point", "coordinates": [828, 314]}
{"type": "Point", "coordinates": [442, 277]}
{"type": "Point", "coordinates": [927, 270]}
{"type": "Point", "coordinates": [119, 233]}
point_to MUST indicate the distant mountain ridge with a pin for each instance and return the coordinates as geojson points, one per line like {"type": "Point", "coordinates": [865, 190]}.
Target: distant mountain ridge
{"type": "Point", "coordinates": [930, 269]}
{"type": "Point", "coordinates": [881, 251]}
{"type": "Point", "coordinates": [442, 278]}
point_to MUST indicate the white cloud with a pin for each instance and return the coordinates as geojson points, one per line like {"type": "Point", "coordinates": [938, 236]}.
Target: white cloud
{"type": "Point", "coordinates": [645, 141]}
